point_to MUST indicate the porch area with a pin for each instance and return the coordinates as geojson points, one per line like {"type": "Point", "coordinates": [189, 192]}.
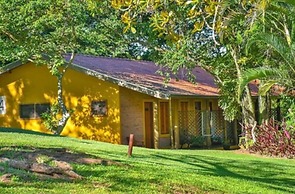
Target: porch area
{"type": "Point", "coordinates": [205, 128]}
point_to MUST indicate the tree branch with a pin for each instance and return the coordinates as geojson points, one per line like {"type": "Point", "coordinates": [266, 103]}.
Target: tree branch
{"type": "Point", "coordinates": [9, 35]}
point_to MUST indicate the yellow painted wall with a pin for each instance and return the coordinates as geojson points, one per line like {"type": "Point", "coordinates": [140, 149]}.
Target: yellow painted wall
{"type": "Point", "coordinates": [31, 84]}
{"type": "Point", "coordinates": [80, 90]}
{"type": "Point", "coordinates": [24, 85]}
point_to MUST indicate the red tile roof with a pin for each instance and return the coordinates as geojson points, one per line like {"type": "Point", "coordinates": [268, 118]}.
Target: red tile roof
{"type": "Point", "coordinates": [143, 76]}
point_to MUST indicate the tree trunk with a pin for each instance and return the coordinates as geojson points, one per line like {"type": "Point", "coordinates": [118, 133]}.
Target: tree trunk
{"type": "Point", "coordinates": [248, 115]}
{"type": "Point", "coordinates": [246, 102]}
{"type": "Point", "coordinates": [64, 111]}
{"type": "Point", "coordinates": [248, 108]}
{"type": "Point", "coordinates": [264, 107]}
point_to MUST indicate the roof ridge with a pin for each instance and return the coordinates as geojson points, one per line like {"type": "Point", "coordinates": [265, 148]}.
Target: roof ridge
{"type": "Point", "coordinates": [113, 58]}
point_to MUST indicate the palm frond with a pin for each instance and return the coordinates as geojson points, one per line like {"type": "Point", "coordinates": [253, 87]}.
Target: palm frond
{"type": "Point", "coordinates": [262, 73]}
{"type": "Point", "coordinates": [279, 44]}
{"type": "Point", "coordinates": [266, 86]}
{"type": "Point", "coordinates": [290, 2]}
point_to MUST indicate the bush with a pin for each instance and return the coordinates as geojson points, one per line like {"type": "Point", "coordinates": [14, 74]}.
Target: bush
{"type": "Point", "coordinates": [49, 118]}
{"type": "Point", "coordinates": [198, 142]}
{"type": "Point", "coordinates": [216, 140]}
{"type": "Point", "coordinates": [274, 140]}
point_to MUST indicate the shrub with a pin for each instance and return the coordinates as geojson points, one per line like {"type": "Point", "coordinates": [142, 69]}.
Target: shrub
{"type": "Point", "coordinates": [49, 118]}
{"type": "Point", "coordinates": [274, 139]}
{"type": "Point", "coordinates": [216, 140]}
{"type": "Point", "coordinates": [198, 142]}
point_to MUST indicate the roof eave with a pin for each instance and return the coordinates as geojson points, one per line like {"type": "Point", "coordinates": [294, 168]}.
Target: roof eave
{"type": "Point", "coordinates": [10, 66]}
{"type": "Point", "coordinates": [122, 83]}
{"type": "Point", "coordinates": [193, 96]}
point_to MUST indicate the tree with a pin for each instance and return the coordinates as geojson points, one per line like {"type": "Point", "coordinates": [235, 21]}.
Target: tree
{"type": "Point", "coordinates": [280, 47]}
{"type": "Point", "coordinates": [44, 31]}
{"type": "Point", "coordinates": [212, 34]}
{"type": "Point", "coordinates": [277, 48]}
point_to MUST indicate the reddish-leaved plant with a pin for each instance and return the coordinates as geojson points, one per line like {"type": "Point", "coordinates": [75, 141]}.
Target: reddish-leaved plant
{"type": "Point", "coordinates": [273, 139]}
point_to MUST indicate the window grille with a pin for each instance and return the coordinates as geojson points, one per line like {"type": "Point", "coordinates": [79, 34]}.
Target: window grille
{"type": "Point", "coordinates": [193, 124]}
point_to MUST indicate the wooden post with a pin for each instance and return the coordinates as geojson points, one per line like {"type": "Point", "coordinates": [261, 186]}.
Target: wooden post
{"type": "Point", "coordinates": [130, 147]}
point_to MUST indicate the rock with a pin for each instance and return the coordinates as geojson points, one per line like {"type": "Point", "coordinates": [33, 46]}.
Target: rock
{"type": "Point", "coordinates": [60, 169]}
{"type": "Point", "coordinates": [42, 168]}
{"type": "Point", "coordinates": [4, 160]}
{"type": "Point", "coordinates": [72, 174]}
{"type": "Point", "coordinates": [16, 163]}
{"type": "Point", "coordinates": [19, 164]}
{"type": "Point", "coordinates": [6, 178]}
{"type": "Point", "coordinates": [63, 165]}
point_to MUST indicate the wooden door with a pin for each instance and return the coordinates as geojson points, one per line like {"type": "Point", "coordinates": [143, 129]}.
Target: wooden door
{"type": "Point", "coordinates": [149, 124]}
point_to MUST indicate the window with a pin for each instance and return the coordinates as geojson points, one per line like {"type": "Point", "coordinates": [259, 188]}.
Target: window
{"type": "Point", "coordinates": [33, 111]}
{"type": "Point", "coordinates": [164, 117]}
{"type": "Point", "coordinates": [198, 106]}
{"type": "Point", "coordinates": [2, 105]}
{"type": "Point", "coordinates": [210, 106]}
{"type": "Point", "coordinates": [99, 108]}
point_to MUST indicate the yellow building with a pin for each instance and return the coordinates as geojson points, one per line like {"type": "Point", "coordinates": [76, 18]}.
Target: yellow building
{"type": "Point", "coordinates": [113, 98]}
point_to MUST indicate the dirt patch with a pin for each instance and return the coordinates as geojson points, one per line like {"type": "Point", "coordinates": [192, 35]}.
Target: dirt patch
{"type": "Point", "coordinates": [52, 163]}
{"type": "Point", "coordinates": [6, 178]}
{"type": "Point", "coordinates": [247, 152]}
{"type": "Point", "coordinates": [242, 151]}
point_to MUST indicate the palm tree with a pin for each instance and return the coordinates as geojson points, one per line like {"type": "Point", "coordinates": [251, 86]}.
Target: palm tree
{"type": "Point", "coordinates": [281, 52]}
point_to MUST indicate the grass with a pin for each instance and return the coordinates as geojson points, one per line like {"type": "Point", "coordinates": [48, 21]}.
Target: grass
{"type": "Point", "coordinates": [150, 171]}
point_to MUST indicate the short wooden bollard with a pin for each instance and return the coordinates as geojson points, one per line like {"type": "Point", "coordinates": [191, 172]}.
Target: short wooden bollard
{"type": "Point", "coordinates": [130, 147]}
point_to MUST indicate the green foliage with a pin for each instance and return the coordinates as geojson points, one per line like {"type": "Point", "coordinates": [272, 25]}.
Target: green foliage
{"type": "Point", "coordinates": [245, 143]}
{"type": "Point", "coordinates": [276, 49]}
{"type": "Point", "coordinates": [216, 140]}
{"type": "Point", "coordinates": [198, 142]}
{"type": "Point", "coordinates": [177, 62]}
{"type": "Point", "coordinates": [271, 76]}
{"type": "Point", "coordinates": [44, 31]}
{"type": "Point", "coordinates": [200, 33]}
{"type": "Point", "coordinates": [287, 105]}
{"type": "Point", "coordinates": [278, 43]}
{"type": "Point", "coordinates": [230, 27]}
{"type": "Point", "coordinates": [228, 101]}
{"type": "Point", "coordinates": [50, 117]}
{"type": "Point", "coordinates": [56, 27]}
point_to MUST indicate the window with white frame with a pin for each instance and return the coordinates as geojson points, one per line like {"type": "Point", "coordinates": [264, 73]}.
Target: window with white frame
{"type": "Point", "coordinates": [2, 105]}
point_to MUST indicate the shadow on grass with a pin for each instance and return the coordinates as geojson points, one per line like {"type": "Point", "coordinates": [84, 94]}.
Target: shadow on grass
{"type": "Point", "coordinates": [13, 130]}
{"type": "Point", "coordinates": [32, 155]}
{"type": "Point", "coordinates": [262, 172]}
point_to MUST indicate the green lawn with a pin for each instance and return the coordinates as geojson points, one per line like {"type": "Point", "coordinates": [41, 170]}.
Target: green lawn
{"type": "Point", "coordinates": [149, 171]}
